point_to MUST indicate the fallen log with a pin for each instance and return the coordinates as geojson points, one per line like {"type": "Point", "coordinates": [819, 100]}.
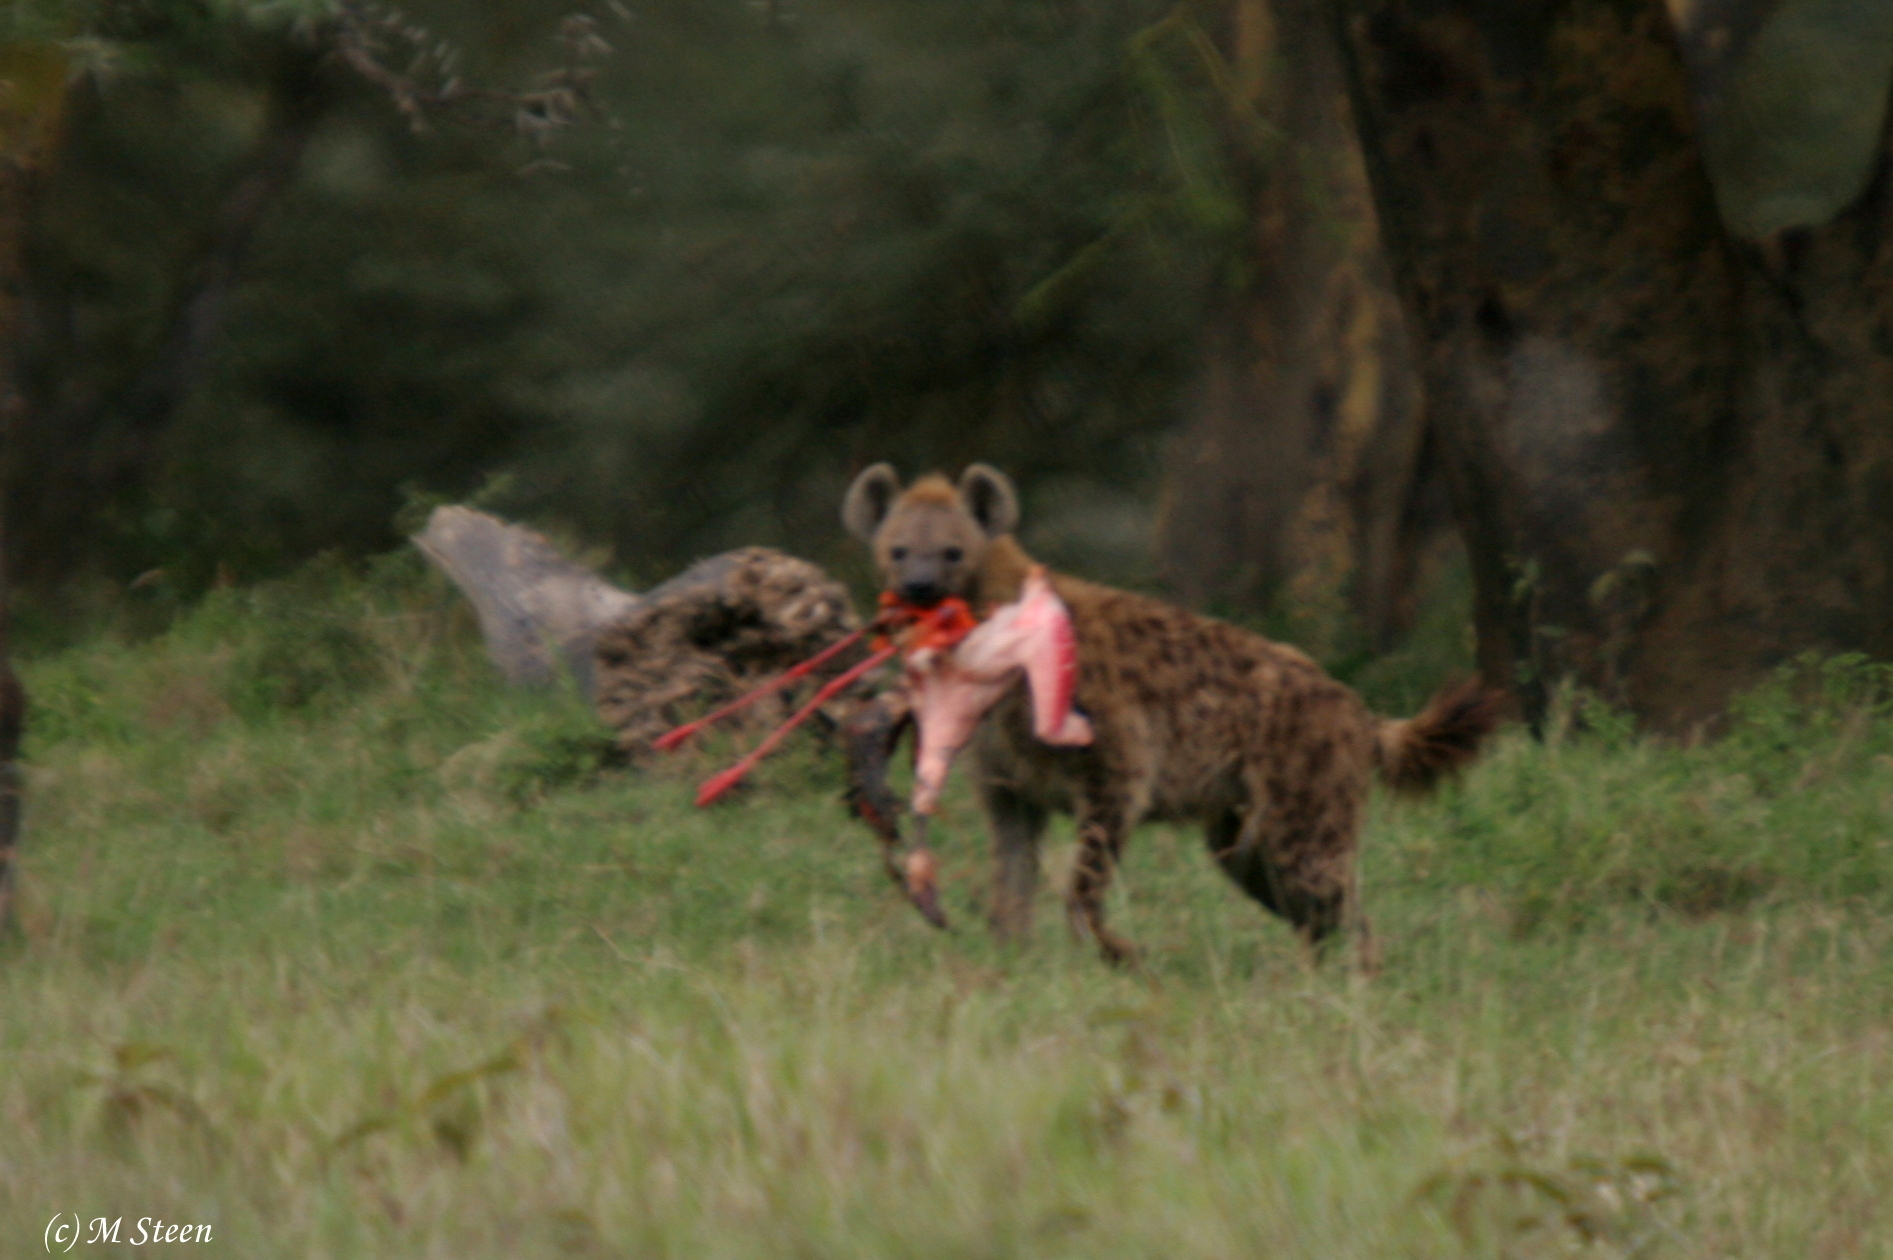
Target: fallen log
{"type": "Point", "coordinates": [716, 630]}
{"type": "Point", "coordinates": [649, 662]}
{"type": "Point", "coordinates": [645, 661]}
{"type": "Point", "coordinates": [540, 612]}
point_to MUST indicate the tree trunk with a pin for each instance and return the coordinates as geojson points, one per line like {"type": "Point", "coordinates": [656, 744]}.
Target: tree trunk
{"type": "Point", "coordinates": [1670, 451]}
{"type": "Point", "coordinates": [1300, 479]}
{"type": "Point", "coordinates": [80, 458]}
{"type": "Point", "coordinates": [31, 111]}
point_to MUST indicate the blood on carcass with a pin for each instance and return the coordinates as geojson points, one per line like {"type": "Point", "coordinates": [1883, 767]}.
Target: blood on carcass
{"type": "Point", "coordinates": [952, 687]}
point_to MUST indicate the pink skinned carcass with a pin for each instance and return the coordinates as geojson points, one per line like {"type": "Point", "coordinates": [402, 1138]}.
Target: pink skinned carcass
{"type": "Point", "coordinates": [951, 688]}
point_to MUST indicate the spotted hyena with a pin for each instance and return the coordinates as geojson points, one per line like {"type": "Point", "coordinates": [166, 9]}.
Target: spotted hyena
{"type": "Point", "coordinates": [1193, 719]}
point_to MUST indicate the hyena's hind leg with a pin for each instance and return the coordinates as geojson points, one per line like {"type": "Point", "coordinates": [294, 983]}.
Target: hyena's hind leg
{"type": "Point", "coordinates": [1305, 875]}
{"type": "Point", "coordinates": [1017, 824]}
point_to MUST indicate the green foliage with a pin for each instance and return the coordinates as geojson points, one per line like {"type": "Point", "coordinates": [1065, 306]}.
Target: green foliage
{"type": "Point", "coordinates": [1628, 1207]}
{"type": "Point", "coordinates": [40, 19]}
{"type": "Point", "coordinates": [400, 970]}
{"type": "Point", "coordinates": [1439, 647]}
{"type": "Point", "coordinates": [1796, 132]}
{"type": "Point", "coordinates": [800, 237]}
{"type": "Point", "coordinates": [293, 652]}
{"type": "Point", "coordinates": [1785, 806]}
{"type": "Point", "coordinates": [564, 748]}
{"type": "Point", "coordinates": [1839, 705]}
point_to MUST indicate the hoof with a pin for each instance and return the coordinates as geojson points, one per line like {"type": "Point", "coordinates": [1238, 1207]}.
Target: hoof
{"type": "Point", "coordinates": [920, 879]}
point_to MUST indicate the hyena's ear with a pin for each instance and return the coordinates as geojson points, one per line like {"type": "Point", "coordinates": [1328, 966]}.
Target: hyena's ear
{"type": "Point", "coordinates": [990, 498]}
{"type": "Point", "coordinates": [868, 500]}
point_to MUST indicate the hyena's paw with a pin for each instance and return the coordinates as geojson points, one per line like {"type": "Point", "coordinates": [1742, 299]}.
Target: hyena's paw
{"type": "Point", "coordinates": [1010, 931]}
{"type": "Point", "coordinates": [1117, 951]}
{"type": "Point", "coordinates": [1085, 926]}
{"type": "Point", "coordinates": [1077, 920]}
{"type": "Point", "coordinates": [1009, 916]}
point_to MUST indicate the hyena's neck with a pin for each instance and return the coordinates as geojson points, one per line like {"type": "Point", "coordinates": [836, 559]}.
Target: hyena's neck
{"type": "Point", "coordinates": [1001, 575]}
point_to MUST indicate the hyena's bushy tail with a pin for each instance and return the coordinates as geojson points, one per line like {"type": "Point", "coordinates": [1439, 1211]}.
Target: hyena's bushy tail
{"type": "Point", "coordinates": [1417, 752]}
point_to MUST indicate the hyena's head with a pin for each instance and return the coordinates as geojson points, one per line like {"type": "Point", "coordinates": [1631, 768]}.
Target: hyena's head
{"type": "Point", "coordinates": [931, 539]}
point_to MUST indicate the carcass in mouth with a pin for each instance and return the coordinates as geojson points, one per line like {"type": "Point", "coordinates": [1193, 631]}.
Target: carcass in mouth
{"type": "Point", "coordinates": [950, 688]}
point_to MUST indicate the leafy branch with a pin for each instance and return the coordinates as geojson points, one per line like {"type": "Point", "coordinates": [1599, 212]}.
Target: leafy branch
{"type": "Point", "coordinates": [420, 73]}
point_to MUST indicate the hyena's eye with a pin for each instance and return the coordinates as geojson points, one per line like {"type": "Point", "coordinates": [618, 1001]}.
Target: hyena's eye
{"type": "Point", "coordinates": [953, 555]}
{"type": "Point", "coordinates": [897, 553]}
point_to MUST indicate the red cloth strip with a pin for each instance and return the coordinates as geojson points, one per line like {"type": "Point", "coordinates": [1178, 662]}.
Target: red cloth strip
{"type": "Point", "coordinates": [717, 784]}
{"type": "Point", "coordinates": [672, 738]}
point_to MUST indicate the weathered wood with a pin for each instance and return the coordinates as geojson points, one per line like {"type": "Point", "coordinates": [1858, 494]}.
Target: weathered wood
{"type": "Point", "coordinates": [647, 662]}
{"type": "Point", "coordinates": [539, 612]}
{"type": "Point", "coordinates": [717, 629]}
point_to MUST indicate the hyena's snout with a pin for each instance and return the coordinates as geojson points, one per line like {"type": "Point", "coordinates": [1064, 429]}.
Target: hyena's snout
{"type": "Point", "coordinates": [922, 592]}
{"type": "Point", "coordinates": [923, 579]}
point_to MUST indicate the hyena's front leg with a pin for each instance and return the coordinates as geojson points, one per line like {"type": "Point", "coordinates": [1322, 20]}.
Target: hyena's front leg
{"type": "Point", "coordinates": [1016, 825]}
{"type": "Point", "coordinates": [1101, 830]}
{"type": "Point", "coordinates": [870, 736]}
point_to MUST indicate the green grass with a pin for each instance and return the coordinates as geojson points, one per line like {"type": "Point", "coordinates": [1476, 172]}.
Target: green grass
{"type": "Point", "coordinates": [334, 945]}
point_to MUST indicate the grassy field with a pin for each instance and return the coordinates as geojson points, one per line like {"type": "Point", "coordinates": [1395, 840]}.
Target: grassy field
{"type": "Point", "coordinates": [332, 945]}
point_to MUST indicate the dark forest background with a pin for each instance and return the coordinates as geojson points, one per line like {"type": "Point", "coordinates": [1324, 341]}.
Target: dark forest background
{"type": "Point", "coordinates": [1266, 304]}
{"type": "Point", "coordinates": [780, 242]}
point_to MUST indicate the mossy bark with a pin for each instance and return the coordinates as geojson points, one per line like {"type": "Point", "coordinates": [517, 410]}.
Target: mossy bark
{"type": "Point", "coordinates": [1670, 450]}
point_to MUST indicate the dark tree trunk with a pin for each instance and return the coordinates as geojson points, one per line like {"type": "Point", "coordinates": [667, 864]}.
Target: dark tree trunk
{"type": "Point", "coordinates": [1670, 452]}
{"type": "Point", "coordinates": [1300, 479]}
{"type": "Point", "coordinates": [81, 457]}
{"type": "Point", "coordinates": [31, 112]}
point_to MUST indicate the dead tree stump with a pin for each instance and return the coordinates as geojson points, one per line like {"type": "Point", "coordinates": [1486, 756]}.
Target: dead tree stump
{"type": "Point", "coordinates": [646, 662]}
{"type": "Point", "coordinates": [717, 629]}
